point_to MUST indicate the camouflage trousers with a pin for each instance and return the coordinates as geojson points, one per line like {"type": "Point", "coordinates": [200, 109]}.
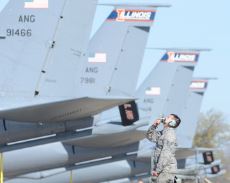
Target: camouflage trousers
{"type": "Point", "coordinates": [163, 178]}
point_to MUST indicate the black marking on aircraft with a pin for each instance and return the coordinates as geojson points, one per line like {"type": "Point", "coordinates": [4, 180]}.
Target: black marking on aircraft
{"type": "Point", "coordinates": [134, 164]}
{"type": "Point", "coordinates": [190, 67]}
{"type": "Point", "coordinates": [144, 28]}
{"type": "Point", "coordinates": [53, 44]}
{"type": "Point", "coordinates": [73, 150]}
{"type": "Point", "coordinates": [4, 124]}
{"type": "Point", "coordinates": [36, 93]}
{"type": "Point", "coordinates": [200, 93]}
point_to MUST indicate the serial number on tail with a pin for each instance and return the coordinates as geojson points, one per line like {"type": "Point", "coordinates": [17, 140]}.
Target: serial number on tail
{"type": "Point", "coordinates": [19, 32]}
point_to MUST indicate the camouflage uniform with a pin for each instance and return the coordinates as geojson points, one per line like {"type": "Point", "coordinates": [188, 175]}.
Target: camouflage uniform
{"type": "Point", "coordinates": [163, 159]}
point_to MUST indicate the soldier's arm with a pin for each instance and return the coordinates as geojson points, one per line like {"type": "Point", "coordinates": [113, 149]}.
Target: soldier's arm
{"type": "Point", "coordinates": [168, 152]}
{"type": "Point", "coordinates": [152, 134]}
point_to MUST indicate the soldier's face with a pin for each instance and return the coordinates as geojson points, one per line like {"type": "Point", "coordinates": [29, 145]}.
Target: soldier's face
{"type": "Point", "coordinates": [168, 119]}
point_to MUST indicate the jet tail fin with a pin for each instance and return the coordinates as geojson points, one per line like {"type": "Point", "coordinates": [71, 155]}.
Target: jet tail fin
{"type": "Point", "coordinates": [69, 46]}
{"type": "Point", "coordinates": [158, 86]}
{"type": "Point", "coordinates": [112, 57]}
{"type": "Point", "coordinates": [48, 54]}
{"type": "Point", "coordinates": [191, 111]}
{"type": "Point", "coordinates": [25, 40]}
{"type": "Point", "coordinates": [131, 24]}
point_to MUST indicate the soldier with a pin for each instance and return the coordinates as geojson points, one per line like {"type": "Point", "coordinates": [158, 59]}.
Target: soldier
{"type": "Point", "coordinates": [164, 163]}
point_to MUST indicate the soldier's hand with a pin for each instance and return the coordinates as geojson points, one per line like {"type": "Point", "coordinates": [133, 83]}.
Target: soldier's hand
{"type": "Point", "coordinates": [157, 122]}
{"type": "Point", "coordinates": [155, 174]}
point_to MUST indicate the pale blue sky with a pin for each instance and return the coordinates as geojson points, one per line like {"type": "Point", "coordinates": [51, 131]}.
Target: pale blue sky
{"type": "Point", "coordinates": [190, 24]}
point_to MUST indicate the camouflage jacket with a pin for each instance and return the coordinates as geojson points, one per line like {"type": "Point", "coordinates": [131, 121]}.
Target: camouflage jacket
{"type": "Point", "coordinates": [163, 159]}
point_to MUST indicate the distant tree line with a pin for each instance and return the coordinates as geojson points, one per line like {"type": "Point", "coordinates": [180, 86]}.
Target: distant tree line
{"type": "Point", "coordinates": [213, 131]}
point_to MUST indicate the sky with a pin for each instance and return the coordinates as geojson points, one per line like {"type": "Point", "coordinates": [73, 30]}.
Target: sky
{"type": "Point", "coordinates": [189, 24]}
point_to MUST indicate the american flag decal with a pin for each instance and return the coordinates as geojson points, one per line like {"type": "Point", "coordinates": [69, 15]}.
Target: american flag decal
{"type": "Point", "coordinates": [36, 4]}
{"type": "Point", "coordinates": [198, 84]}
{"type": "Point", "coordinates": [153, 91]}
{"type": "Point", "coordinates": [98, 58]}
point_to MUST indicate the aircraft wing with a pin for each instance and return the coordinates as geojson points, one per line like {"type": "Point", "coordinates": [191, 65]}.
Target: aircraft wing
{"type": "Point", "coordinates": [64, 110]}
{"type": "Point", "coordinates": [111, 135]}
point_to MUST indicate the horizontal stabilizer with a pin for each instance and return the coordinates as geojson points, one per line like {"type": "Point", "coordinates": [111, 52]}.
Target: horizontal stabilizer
{"type": "Point", "coordinates": [186, 152]}
{"type": "Point", "coordinates": [214, 163]}
{"type": "Point", "coordinates": [43, 174]}
{"type": "Point", "coordinates": [187, 171]}
{"type": "Point", "coordinates": [186, 177]}
{"type": "Point", "coordinates": [182, 56]}
{"type": "Point", "coordinates": [181, 153]}
{"type": "Point", "coordinates": [111, 135]}
{"type": "Point", "coordinates": [200, 84]}
{"type": "Point", "coordinates": [222, 172]}
{"type": "Point", "coordinates": [64, 110]}
{"type": "Point", "coordinates": [204, 149]}
{"type": "Point", "coordinates": [135, 5]}
{"type": "Point", "coordinates": [184, 49]}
